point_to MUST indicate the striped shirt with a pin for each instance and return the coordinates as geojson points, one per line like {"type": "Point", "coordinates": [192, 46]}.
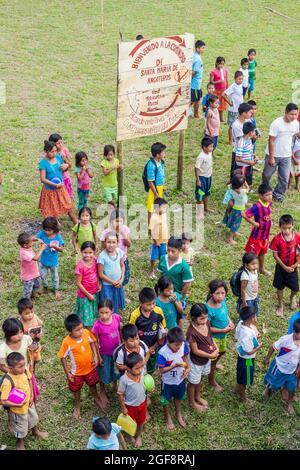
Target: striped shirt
{"type": "Point", "coordinates": [286, 250]}
{"type": "Point", "coordinates": [262, 214]}
{"type": "Point", "coordinates": [244, 149]}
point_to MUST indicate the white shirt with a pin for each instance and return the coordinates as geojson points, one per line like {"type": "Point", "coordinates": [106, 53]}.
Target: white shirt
{"type": "Point", "coordinates": [166, 357]}
{"type": "Point", "coordinates": [252, 286]}
{"type": "Point", "coordinates": [246, 340]}
{"type": "Point", "coordinates": [237, 131]}
{"type": "Point", "coordinates": [245, 73]}
{"type": "Point", "coordinates": [235, 94]}
{"type": "Point", "coordinates": [288, 357]}
{"type": "Point", "coordinates": [284, 132]}
{"type": "Point", "coordinates": [204, 164]}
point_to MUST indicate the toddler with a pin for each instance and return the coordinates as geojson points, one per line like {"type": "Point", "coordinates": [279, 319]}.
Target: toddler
{"type": "Point", "coordinates": [110, 166]}
{"type": "Point", "coordinates": [30, 275]}
{"type": "Point", "coordinates": [84, 174]}
{"type": "Point", "coordinates": [106, 435]}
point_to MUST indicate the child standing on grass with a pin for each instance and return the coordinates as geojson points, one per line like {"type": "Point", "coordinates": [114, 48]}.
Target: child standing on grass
{"type": "Point", "coordinates": [219, 78]}
{"type": "Point", "coordinates": [132, 395]}
{"type": "Point", "coordinates": [247, 346]}
{"type": "Point", "coordinates": [87, 281]}
{"type": "Point", "coordinates": [21, 417]}
{"type": "Point", "coordinates": [30, 274]}
{"type": "Point", "coordinates": [32, 326]}
{"type": "Point", "coordinates": [236, 200]}
{"type": "Point", "coordinates": [84, 230]}
{"type": "Point", "coordinates": [149, 321]}
{"type": "Point", "coordinates": [295, 167]}
{"type": "Point", "coordinates": [187, 252]}
{"type": "Point", "coordinates": [107, 332]}
{"type": "Point", "coordinates": [80, 346]}
{"type": "Point", "coordinates": [117, 219]}
{"type": "Point", "coordinates": [65, 154]}
{"type": "Point", "coordinates": [220, 323]}
{"type": "Point", "coordinates": [245, 72]}
{"type": "Point", "coordinates": [258, 241]}
{"type": "Point", "coordinates": [173, 365]}
{"type": "Point", "coordinates": [212, 123]}
{"type": "Point", "coordinates": [249, 283]}
{"type": "Point", "coordinates": [244, 156]}
{"type": "Point", "coordinates": [159, 233]}
{"type": "Point", "coordinates": [203, 349]}
{"type": "Point", "coordinates": [110, 166]}
{"type": "Point", "coordinates": [205, 102]}
{"type": "Point", "coordinates": [284, 370]}
{"type": "Point", "coordinates": [84, 174]}
{"type": "Point", "coordinates": [111, 271]}
{"type": "Point", "coordinates": [131, 343]}
{"type": "Point", "coordinates": [49, 260]}
{"type": "Point", "coordinates": [234, 97]}
{"type": "Point", "coordinates": [252, 64]}
{"type": "Point", "coordinates": [106, 435]}
{"type": "Point", "coordinates": [203, 173]}
{"type": "Point", "coordinates": [286, 251]}
{"type": "Point", "coordinates": [170, 302]}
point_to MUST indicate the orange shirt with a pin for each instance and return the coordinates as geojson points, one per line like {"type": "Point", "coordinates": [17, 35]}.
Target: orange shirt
{"type": "Point", "coordinates": [79, 352]}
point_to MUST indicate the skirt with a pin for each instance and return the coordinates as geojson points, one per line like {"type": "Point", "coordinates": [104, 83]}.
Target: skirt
{"type": "Point", "coordinates": [223, 104]}
{"type": "Point", "coordinates": [68, 184]}
{"type": "Point", "coordinates": [115, 294]}
{"type": "Point", "coordinates": [107, 373]}
{"type": "Point", "coordinates": [55, 202]}
{"type": "Point", "coordinates": [233, 220]}
{"type": "Point", "coordinates": [87, 310]}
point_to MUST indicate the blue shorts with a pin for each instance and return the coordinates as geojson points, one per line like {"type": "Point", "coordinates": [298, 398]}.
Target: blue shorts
{"type": "Point", "coordinates": [245, 88]}
{"type": "Point", "coordinates": [172, 391]}
{"type": "Point", "coordinates": [245, 371]}
{"type": "Point", "coordinates": [275, 380]}
{"type": "Point", "coordinates": [107, 373]}
{"type": "Point", "coordinates": [157, 252]}
{"type": "Point", "coordinates": [251, 303]}
{"type": "Point", "coordinates": [196, 95]}
{"type": "Point", "coordinates": [251, 84]}
{"type": "Point", "coordinates": [204, 190]}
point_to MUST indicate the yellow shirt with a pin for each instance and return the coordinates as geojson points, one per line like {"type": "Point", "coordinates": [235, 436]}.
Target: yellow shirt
{"type": "Point", "coordinates": [159, 227]}
{"type": "Point", "coordinates": [21, 382]}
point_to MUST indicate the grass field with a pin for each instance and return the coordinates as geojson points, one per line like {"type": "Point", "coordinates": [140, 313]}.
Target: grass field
{"type": "Point", "coordinates": [60, 75]}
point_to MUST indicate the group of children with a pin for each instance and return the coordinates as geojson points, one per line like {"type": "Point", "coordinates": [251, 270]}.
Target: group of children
{"type": "Point", "coordinates": [101, 347]}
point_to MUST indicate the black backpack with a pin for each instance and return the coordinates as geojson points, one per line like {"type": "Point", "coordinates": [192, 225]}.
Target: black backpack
{"type": "Point", "coordinates": [144, 176]}
{"type": "Point", "coordinates": [235, 282]}
{"type": "Point", "coordinates": [8, 377]}
{"type": "Point", "coordinates": [116, 352]}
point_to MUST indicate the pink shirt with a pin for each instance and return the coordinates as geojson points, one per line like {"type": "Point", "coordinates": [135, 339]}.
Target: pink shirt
{"type": "Point", "coordinates": [108, 335]}
{"type": "Point", "coordinates": [65, 153]}
{"type": "Point", "coordinates": [29, 267]}
{"type": "Point", "coordinates": [214, 122]}
{"type": "Point", "coordinates": [218, 75]}
{"type": "Point", "coordinates": [121, 244]}
{"type": "Point", "coordinates": [89, 277]}
{"type": "Point", "coordinates": [84, 183]}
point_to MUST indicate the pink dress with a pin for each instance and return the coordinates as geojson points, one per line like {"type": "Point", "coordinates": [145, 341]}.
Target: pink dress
{"type": "Point", "coordinates": [66, 175]}
{"type": "Point", "coordinates": [108, 335]}
{"type": "Point", "coordinates": [216, 75]}
{"type": "Point", "coordinates": [214, 122]}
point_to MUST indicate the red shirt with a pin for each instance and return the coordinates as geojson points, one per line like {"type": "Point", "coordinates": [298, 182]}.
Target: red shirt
{"type": "Point", "coordinates": [286, 250]}
{"type": "Point", "coordinates": [262, 214]}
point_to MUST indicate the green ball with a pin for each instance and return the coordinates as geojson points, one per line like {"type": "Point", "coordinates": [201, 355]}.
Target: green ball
{"type": "Point", "coordinates": [149, 382]}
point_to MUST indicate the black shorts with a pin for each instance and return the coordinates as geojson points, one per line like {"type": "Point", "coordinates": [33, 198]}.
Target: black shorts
{"type": "Point", "coordinates": [246, 170]}
{"type": "Point", "coordinates": [245, 371]}
{"type": "Point", "coordinates": [196, 95]}
{"type": "Point", "coordinates": [284, 279]}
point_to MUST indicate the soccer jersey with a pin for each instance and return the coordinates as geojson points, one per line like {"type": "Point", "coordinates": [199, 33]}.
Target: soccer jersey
{"type": "Point", "coordinates": [148, 327]}
{"type": "Point", "coordinates": [166, 357]}
{"type": "Point", "coordinates": [288, 356]}
{"type": "Point", "coordinates": [262, 214]}
{"type": "Point", "coordinates": [246, 338]}
{"type": "Point", "coordinates": [286, 250]}
{"type": "Point", "coordinates": [179, 272]}
{"type": "Point", "coordinates": [251, 69]}
{"type": "Point", "coordinates": [79, 352]}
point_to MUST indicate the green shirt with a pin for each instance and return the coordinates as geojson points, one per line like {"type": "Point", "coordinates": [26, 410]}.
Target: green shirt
{"type": "Point", "coordinates": [180, 272]}
{"type": "Point", "coordinates": [110, 181]}
{"type": "Point", "coordinates": [251, 69]}
{"type": "Point", "coordinates": [85, 234]}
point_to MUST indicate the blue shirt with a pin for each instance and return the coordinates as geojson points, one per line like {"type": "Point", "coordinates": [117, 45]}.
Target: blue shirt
{"type": "Point", "coordinates": [218, 318]}
{"type": "Point", "coordinates": [197, 66]}
{"type": "Point", "coordinates": [169, 310]}
{"type": "Point", "coordinates": [112, 443]}
{"type": "Point", "coordinates": [52, 171]}
{"type": "Point", "coordinates": [111, 265]}
{"type": "Point", "coordinates": [50, 258]}
{"type": "Point", "coordinates": [294, 317]}
{"type": "Point", "coordinates": [160, 176]}
{"type": "Point", "coordinates": [206, 103]}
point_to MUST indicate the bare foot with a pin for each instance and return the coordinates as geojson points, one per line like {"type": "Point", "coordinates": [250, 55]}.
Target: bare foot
{"type": "Point", "coordinates": [132, 440]}
{"type": "Point", "coordinates": [128, 300]}
{"type": "Point", "coordinates": [248, 403]}
{"type": "Point", "coordinates": [181, 421]}
{"type": "Point", "coordinates": [231, 242]}
{"type": "Point", "coordinates": [148, 417]}
{"type": "Point", "coordinates": [20, 446]}
{"type": "Point", "coordinates": [152, 275]}
{"type": "Point", "coordinates": [279, 311]}
{"type": "Point", "coordinates": [220, 367]}
{"type": "Point", "coordinates": [40, 434]}
{"type": "Point", "coordinates": [197, 407]}
{"type": "Point", "coordinates": [169, 424]}
{"type": "Point", "coordinates": [103, 398]}
{"type": "Point", "coordinates": [298, 189]}
{"type": "Point", "coordinates": [217, 388]}
{"type": "Point", "coordinates": [100, 404]}
{"type": "Point", "coordinates": [58, 295]}
{"type": "Point", "coordinates": [290, 410]}
{"type": "Point", "coordinates": [265, 272]}
{"type": "Point", "coordinates": [138, 442]}
{"type": "Point", "coordinates": [76, 413]}
{"type": "Point", "coordinates": [294, 304]}
{"type": "Point", "coordinates": [201, 401]}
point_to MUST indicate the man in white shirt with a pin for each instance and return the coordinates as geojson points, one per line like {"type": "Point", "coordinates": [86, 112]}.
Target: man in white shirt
{"type": "Point", "coordinates": [279, 150]}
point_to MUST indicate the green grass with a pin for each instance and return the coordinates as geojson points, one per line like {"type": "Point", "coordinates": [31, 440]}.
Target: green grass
{"type": "Point", "coordinates": [60, 74]}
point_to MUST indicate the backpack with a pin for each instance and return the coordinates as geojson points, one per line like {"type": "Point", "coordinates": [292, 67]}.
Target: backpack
{"type": "Point", "coordinates": [116, 352]}
{"type": "Point", "coordinates": [235, 282]}
{"type": "Point", "coordinates": [144, 176]}
{"type": "Point", "coordinates": [6, 376]}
